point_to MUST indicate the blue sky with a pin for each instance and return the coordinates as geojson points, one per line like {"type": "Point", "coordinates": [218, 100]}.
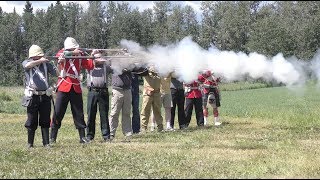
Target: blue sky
{"type": "Point", "coordinates": [7, 6]}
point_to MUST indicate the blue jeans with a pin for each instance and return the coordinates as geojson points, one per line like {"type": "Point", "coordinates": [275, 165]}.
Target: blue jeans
{"type": "Point", "coordinates": [135, 104]}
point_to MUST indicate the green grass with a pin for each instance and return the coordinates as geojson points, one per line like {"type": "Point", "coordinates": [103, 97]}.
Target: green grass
{"type": "Point", "coordinates": [266, 133]}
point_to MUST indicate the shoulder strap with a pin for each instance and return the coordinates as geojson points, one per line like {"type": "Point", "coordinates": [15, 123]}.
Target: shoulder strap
{"type": "Point", "coordinates": [37, 70]}
{"type": "Point", "coordinates": [74, 69]}
{"type": "Point", "coordinates": [105, 74]}
{"type": "Point", "coordinates": [90, 78]}
{"type": "Point", "coordinates": [30, 78]}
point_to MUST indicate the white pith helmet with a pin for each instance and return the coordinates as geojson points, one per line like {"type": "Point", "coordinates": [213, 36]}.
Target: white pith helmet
{"type": "Point", "coordinates": [35, 50]}
{"type": "Point", "coordinates": [70, 43]}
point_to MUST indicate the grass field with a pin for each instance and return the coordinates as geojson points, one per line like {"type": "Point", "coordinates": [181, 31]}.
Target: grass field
{"type": "Point", "coordinates": [266, 133]}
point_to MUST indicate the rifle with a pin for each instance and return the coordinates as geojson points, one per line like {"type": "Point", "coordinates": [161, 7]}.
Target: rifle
{"type": "Point", "coordinates": [103, 50]}
{"type": "Point", "coordinates": [87, 57]}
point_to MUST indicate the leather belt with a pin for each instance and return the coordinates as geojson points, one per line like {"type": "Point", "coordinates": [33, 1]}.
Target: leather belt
{"type": "Point", "coordinates": [97, 89]}
{"type": "Point", "coordinates": [39, 93]}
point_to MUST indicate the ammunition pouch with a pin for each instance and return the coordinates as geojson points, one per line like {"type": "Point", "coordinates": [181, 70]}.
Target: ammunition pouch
{"type": "Point", "coordinates": [26, 101]}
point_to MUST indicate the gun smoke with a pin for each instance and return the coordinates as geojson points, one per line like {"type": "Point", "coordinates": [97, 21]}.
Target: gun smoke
{"type": "Point", "coordinates": [187, 59]}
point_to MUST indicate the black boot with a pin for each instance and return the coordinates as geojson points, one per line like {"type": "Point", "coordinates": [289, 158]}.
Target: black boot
{"type": "Point", "coordinates": [53, 135]}
{"type": "Point", "coordinates": [82, 136]}
{"type": "Point", "coordinates": [31, 134]}
{"type": "Point", "coordinates": [45, 137]}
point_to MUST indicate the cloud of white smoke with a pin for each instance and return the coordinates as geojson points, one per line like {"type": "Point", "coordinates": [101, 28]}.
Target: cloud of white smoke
{"type": "Point", "coordinates": [187, 59]}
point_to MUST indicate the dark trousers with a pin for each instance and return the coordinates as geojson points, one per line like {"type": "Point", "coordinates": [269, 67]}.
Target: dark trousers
{"type": "Point", "coordinates": [197, 103]}
{"type": "Point", "coordinates": [61, 104]}
{"type": "Point", "coordinates": [39, 112]}
{"type": "Point", "coordinates": [98, 98]}
{"type": "Point", "coordinates": [135, 105]}
{"type": "Point", "coordinates": [178, 101]}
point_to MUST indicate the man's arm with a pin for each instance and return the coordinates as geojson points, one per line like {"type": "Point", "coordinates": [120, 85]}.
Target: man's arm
{"type": "Point", "coordinates": [34, 63]}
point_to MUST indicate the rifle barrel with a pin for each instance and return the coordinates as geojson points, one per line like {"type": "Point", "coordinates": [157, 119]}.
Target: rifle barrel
{"type": "Point", "coordinates": [88, 57]}
{"type": "Point", "coordinates": [110, 50]}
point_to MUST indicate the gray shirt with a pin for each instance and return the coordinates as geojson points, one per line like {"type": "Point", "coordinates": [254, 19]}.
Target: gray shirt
{"type": "Point", "coordinates": [38, 83]}
{"type": "Point", "coordinates": [122, 81]}
{"type": "Point", "coordinates": [98, 77]}
{"type": "Point", "coordinates": [176, 84]}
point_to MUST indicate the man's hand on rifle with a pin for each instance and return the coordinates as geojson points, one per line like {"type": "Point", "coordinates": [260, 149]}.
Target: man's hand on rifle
{"type": "Point", "coordinates": [76, 52]}
{"type": "Point", "coordinates": [61, 59]}
{"type": "Point", "coordinates": [43, 59]}
{"type": "Point", "coordinates": [95, 51]}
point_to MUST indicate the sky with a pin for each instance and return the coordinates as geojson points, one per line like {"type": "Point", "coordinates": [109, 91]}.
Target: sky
{"type": "Point", "coordinates": [8, 6]}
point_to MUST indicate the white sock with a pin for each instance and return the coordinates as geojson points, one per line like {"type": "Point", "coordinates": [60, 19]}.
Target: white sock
{"type": "Point", "coordinates": [216, 121]}
{"type": "Point", "coordinates": [205, 120]}
{"type": "Point", "coordinates": [168, 125]}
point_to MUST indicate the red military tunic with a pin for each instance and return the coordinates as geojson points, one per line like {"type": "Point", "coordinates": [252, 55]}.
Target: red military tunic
{"type": "Point", "coordinates": [208, 82]}
{"type": "Point", "coordinates": [195, 91]}
{"type": "Point", "coordinates": [67, 82]}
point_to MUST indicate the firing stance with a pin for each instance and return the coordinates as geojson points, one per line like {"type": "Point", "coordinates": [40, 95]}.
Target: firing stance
{"type": "Point", "coordinates": [166, 101]}
{"type": "Point", "coordinates": [121, 101]}
{"type": "Point", "coordinates": [178, 101]}
{"type": "Point", "coordinates": [193, 98]}
{"type": "Point", "coordinates": [98, 95]}
{"type": "Point", "coordinates": [151, 99]}
{"type": "Point", "coordinates": [211, 95]}
{"type": "Point", "coordinates": [37, 94]}
{"type": "Point", "coordinates": [69, 88]}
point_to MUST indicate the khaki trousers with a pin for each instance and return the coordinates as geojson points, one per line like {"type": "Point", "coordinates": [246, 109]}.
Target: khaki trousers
{"type": "Point", "coordinates": [154, 102]}
{"type": "Point", "coordinates": [121, 100]}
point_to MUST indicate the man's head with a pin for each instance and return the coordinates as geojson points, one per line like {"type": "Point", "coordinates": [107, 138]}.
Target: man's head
{"type": "Point", "coordinates": [70, 44]}
{"type": "Point", "coordinates": [98, 55]}
{"type": "Point", "coordinates": [207, 73]}
{"type": "Point", "coordinates": [35, 52]}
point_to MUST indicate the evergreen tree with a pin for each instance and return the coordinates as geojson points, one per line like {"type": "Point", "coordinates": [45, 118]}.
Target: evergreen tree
{"type": "Point", "coordinates": [27, 17]}
{"type": "Point", "coordinates": [162, 9]}
{"type": "Point", "coordinates": [191, 26]}
{"type": "Point", "coordinates": [147, 36]}
{"type": "Point", "coordinates": [91, 33]}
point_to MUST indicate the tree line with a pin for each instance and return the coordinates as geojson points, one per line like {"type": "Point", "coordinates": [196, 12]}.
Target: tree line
{"type": "Point", "coordinates": [289, 27]}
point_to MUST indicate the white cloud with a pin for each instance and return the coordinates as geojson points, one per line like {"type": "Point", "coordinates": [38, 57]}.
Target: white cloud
{"type": "Point", "coordinates": [142, 5]}
{"type": "Point", "coordinates": [195, 5]}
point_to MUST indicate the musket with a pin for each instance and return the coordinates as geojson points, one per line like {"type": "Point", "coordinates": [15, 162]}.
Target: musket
{"type": "Point", "coordinates": [103, 50]}
{"type": "Point", "coordinates": [87, 57]}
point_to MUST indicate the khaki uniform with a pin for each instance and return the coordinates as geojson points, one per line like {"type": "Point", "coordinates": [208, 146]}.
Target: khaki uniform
{"type": "Point", "coordinates": [151, 98]}
{"type": "Point", "coordinates": [165, 91]}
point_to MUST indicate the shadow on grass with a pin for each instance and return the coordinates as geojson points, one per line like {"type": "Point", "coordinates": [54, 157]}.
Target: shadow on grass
{"type": "Point", "coordinates": [242, 146]}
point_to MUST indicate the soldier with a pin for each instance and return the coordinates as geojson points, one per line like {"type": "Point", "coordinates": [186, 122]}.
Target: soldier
{"type": "Point", "coordinates": [69, 88]}
{"type": "Point", "coordinates": [38, 94]}
{"type": "Point", "coordinates": [98, 94]}
{"type": "Point", "coordinates": [166, 101]}
{"type": "Point", "coordinates": [211, 94]}
{"type": "Point", "coordinates": [178, 101]}
{"type": "Point", "coordinates": [121, 101]}
{"type": "Point", "coordinates": [151, 99]}
{"type": "Point", "coordinates": [193, 98]}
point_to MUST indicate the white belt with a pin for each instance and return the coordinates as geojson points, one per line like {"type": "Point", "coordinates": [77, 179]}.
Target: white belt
{"type": "Point", "coordinates": [72, 76]}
